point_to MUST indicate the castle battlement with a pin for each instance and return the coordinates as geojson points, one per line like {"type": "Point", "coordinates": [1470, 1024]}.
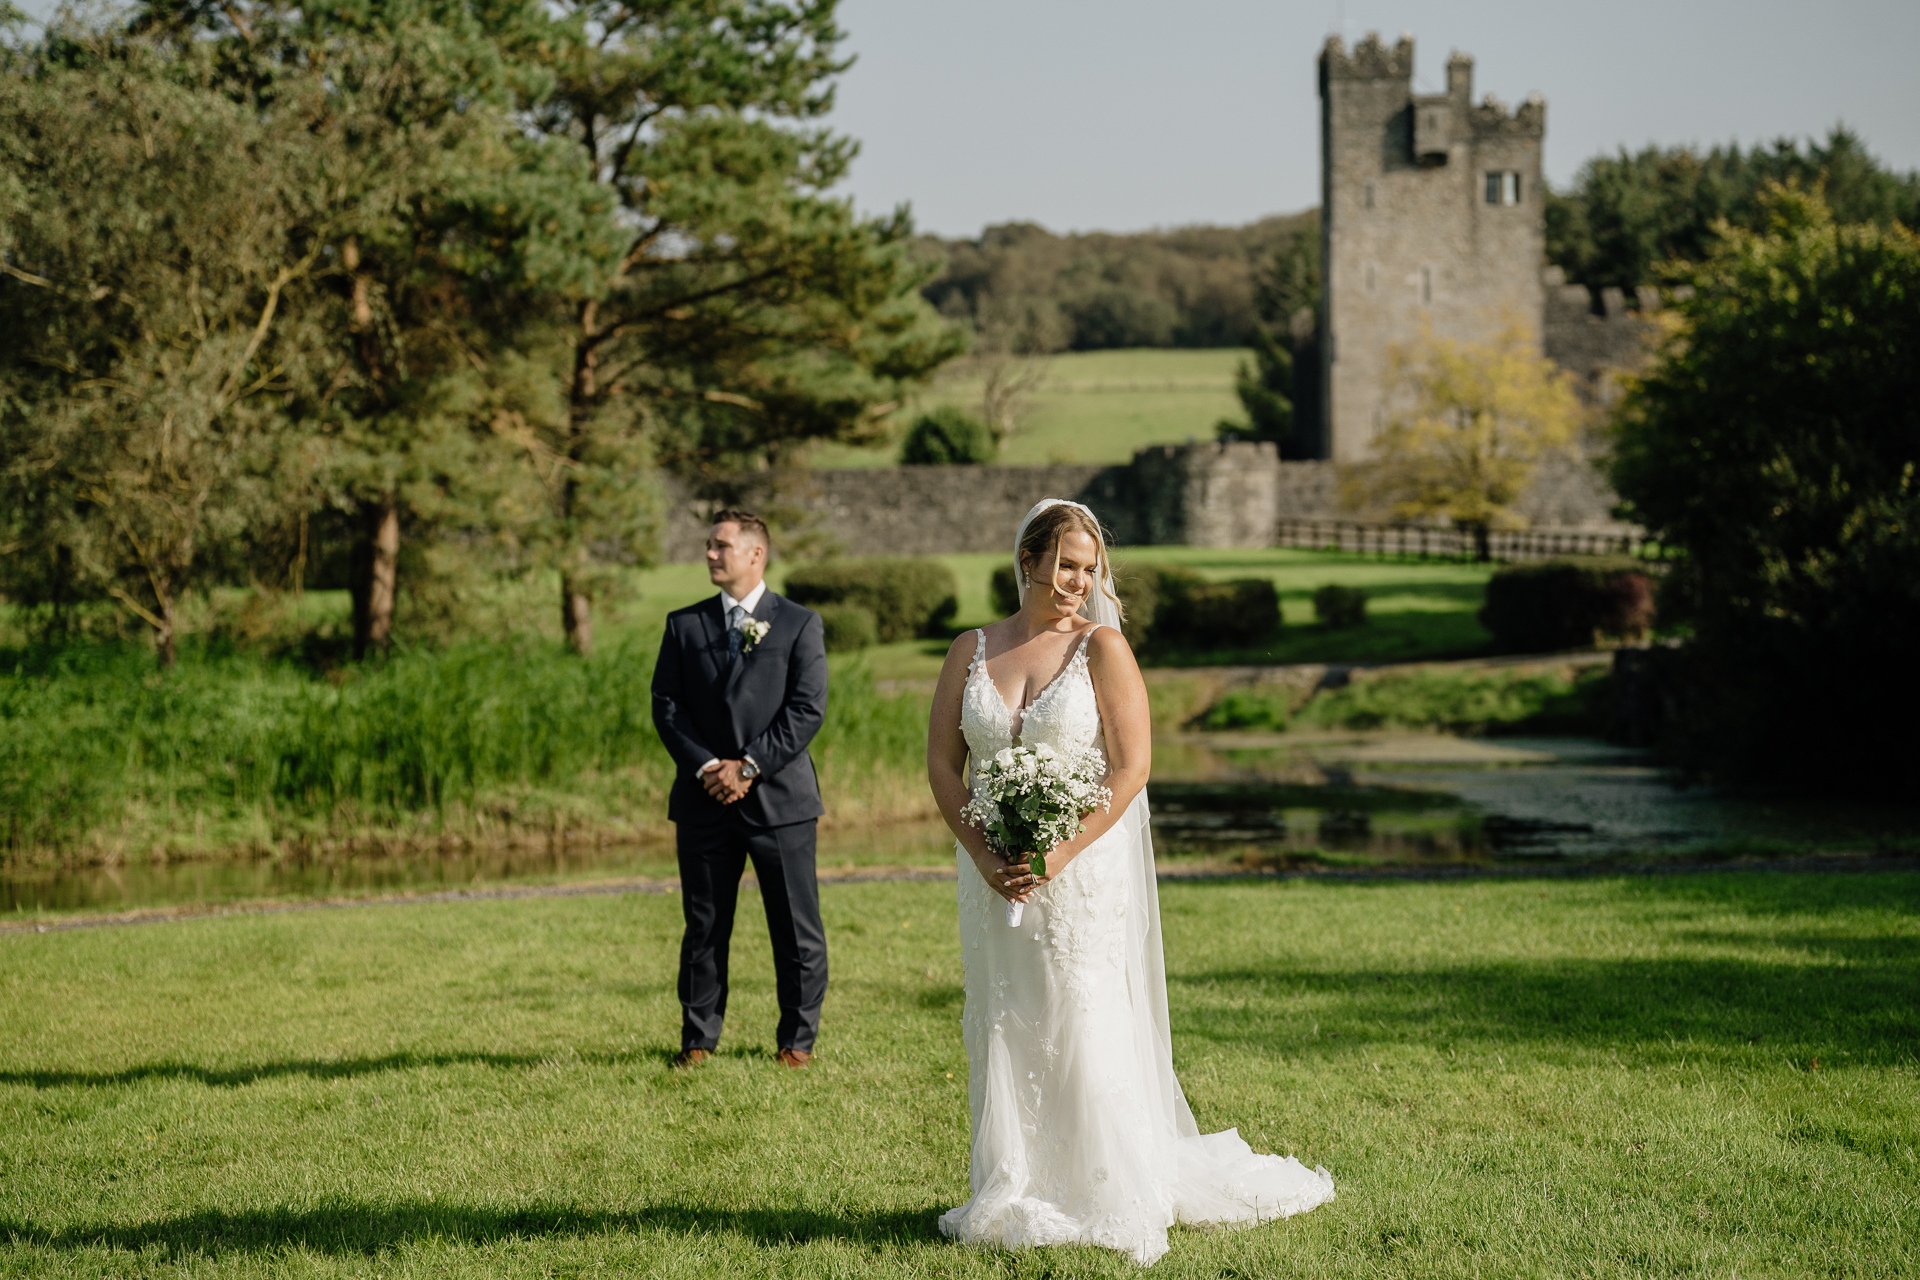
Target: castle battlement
{"type": "Point", "coordinates": [1492, 119]}
{"type": "Point", "coordinates": [1597, 338]}
{"type": "Point", "coordinates": [1370, 59]}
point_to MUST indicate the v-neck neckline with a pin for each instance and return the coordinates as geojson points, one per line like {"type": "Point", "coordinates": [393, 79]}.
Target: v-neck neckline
{"type": "Point", "coordinates": [1017, 716]}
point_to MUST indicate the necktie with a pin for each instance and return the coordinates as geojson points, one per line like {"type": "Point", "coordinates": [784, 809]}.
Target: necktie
{"type": "Point", "coordinates": [735, 616]}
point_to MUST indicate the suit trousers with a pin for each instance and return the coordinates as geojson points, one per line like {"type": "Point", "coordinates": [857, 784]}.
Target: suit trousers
{"type": "Point", "coordinates": [713, 856]}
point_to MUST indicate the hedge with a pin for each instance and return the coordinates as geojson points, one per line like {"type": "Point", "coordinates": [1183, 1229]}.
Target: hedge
{"type": "Point", "coordinates": [1338, 607]}
{"type": "Point", "coordinates": [849, 627]}
{"type": "Point", "coordinates": [907, 597]}
{"type": "Point", "coordinates": [1568, 604]}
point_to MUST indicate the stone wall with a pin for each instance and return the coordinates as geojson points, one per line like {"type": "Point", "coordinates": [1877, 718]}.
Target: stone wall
{"type": "Point", "coordinates": [1201, 495]}
{"type": "Point", "coordinates": [1597, 340]}
{"type": "Point", "coordinates": [908, 511]}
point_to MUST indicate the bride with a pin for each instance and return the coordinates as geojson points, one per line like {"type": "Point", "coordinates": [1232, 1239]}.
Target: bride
{"type": "Point", "coordinates": [1081, 1134]}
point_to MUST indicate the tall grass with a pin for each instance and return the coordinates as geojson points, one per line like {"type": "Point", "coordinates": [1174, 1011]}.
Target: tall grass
{"type": "Point", "coordinates": [99, 755]}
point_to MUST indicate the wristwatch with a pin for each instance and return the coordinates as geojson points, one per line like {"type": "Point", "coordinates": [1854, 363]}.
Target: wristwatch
{"type": "Point", "coordinates": [749, 770]}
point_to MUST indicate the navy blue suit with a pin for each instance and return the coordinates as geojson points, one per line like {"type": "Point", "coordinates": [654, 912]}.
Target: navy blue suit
{"type": "Point", "coordinates": [767, 703]}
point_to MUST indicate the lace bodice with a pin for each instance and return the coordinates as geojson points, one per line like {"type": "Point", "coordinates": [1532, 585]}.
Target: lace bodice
{"type": "Point", "coordinates": [1066, 715]}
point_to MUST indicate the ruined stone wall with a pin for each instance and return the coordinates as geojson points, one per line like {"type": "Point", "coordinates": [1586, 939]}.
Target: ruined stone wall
{"type": "Point", "coordinates": [1411, 240]}
{"type": "Point", "coordinates": [1203, 495]}
{"type": "Point", "coordinates": [1596, 340]}
{"type": "Point", "coordinates": [907, 511]}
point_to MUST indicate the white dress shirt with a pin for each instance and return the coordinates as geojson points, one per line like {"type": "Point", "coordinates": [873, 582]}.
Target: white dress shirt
{"type": "Point", "coordinates": [752, 602]}
{"type": "Point", "coordinates": [727, 605]}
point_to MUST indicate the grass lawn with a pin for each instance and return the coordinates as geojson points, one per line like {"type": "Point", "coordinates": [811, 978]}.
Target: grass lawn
{"type": "Point", "coordinates": [1095, 406]}
{"type": "Point", "coordinates": [1607, 1077]}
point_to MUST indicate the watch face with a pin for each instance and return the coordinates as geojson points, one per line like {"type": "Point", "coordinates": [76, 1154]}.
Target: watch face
{"type": "Point", "coordinates": [749, 770]}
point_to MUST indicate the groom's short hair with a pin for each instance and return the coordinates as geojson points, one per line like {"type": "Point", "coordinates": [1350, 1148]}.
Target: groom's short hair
{"type": "Point", "coordinates": [751, 525]}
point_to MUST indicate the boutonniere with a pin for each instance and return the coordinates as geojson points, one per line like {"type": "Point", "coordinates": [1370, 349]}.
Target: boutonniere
{"type": "Point", "coordinates": [752, 632]}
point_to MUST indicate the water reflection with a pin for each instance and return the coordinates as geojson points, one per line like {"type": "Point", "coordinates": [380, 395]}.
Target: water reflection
{"type": "Point", "coordinates": [1297, 800]}
{"type": "Point", "coordinates": [121, 888]}
{"type": "Point", "coordinates": [1222, 801]}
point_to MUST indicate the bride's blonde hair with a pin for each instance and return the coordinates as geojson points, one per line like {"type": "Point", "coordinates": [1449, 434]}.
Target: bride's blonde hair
{"type": "Point", "coordinates": [1043, 536]}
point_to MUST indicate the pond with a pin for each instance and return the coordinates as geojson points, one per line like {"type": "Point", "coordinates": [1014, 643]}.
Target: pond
{"type": "Point", "coordinates": [1298, 801]}
{"type": "Point", "coordinates": [1223, 802]}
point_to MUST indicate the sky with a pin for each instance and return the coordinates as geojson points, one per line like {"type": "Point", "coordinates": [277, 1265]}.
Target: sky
{"type": "Point", "coordinates": [1120, 115]}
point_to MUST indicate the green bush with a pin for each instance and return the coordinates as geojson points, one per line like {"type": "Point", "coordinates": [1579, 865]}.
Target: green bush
{"type": "Point", "coordinates": [907, 597]}
{"type": "Point", "coordinates": [1250, 709]}
{"type": "Point", "coordinates": [1216, 615]}
{"type": "Point", "coordinates": [1339, 607]}
{"type": "Point", "coordinates": [1149, 591]}
{"type": "Point", "coordinates": [1775, 447]}
{"type": "Point", "coordinates": [849, 627]}
{"type": "Point", "coordinates": [945, 437]}
{"type": "Point", "coordinates": [1568, 604]}
{"type": "Point", "coordinates": [1004, 586]}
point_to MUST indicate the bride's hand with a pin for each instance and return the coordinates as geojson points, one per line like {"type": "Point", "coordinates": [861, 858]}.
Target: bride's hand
{"type": "Point", "coordinates": [1013, 881]}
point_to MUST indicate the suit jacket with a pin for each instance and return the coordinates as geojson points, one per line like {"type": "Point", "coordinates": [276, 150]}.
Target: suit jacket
{"type": "Point", "coordinates": [767, 703]}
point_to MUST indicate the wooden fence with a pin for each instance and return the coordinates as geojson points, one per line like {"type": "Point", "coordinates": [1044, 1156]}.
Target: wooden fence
{"type": "Point", "coordinates": [1417, 542]}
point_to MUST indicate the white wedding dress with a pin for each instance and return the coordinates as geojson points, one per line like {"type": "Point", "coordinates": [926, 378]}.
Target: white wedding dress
{"type": "Point", "coordinates": [1081, 1134]}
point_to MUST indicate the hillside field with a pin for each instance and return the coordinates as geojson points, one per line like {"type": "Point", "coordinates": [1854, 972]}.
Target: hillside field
{"type": "Point", "coordinates": [1094, 406]}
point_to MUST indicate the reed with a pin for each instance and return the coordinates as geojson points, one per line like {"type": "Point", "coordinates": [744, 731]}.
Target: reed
{"type": "Point", "coordinates": [100, 758]}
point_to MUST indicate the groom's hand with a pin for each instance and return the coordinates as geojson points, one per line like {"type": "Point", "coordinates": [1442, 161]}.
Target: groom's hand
{"type": "Point", "coordinates": [724, 783]}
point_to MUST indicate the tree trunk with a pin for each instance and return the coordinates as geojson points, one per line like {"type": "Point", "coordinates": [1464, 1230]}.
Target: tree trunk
{"type": "Point", "coordinates": [164, 634]}
{"type": "Point", "coordinates": [375, 580]}
{"type": "Point", "coordinates": [576, 607]}
{"type": "Point", "coordinates": [576, 617]}
{"type": "Point", "coordinates": [1482, 543]}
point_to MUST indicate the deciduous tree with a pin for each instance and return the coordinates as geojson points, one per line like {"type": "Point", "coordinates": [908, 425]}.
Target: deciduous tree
{"type": "Point", "coordinates": [1777, 446]}
{"type": "Point", "coordinates": [1473, 422]}
{"type": "Point", "coordinates": [157, 246]}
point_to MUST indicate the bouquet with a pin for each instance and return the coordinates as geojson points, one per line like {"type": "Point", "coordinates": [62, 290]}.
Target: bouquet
{"type": "Point", "coordinates": [1029, 799]}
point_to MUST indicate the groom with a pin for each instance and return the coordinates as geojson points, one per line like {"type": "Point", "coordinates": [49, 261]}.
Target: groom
{"type": "Point", "coordinates": [738, 693]}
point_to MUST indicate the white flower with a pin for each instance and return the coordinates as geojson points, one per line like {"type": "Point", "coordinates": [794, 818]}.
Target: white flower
{"type": "Point", "coordinates": [752, 632]}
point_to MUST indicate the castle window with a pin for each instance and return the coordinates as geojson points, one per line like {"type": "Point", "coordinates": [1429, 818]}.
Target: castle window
{"type": "Point", "coordinates": [1426, 284]}
{"type": "Point", "coordinates": [1503, 188]}
{"type": "Point", "coordinates": [1369, 195]}
{"type": "Point", "coordinates": [1369, 277]}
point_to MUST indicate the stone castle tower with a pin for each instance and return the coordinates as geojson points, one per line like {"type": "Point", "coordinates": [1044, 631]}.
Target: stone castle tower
{"type": "Point", "coordinates": [1432, 214]}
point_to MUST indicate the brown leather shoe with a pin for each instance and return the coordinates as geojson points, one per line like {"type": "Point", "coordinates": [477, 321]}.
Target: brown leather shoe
{"type": "Point", "coordinates": [793, 1059]}
{"type": "Point", "coordinates": [690, 1058]}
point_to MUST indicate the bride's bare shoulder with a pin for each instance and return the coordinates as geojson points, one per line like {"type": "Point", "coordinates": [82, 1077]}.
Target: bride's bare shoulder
{"type": "Point", "coordinates": [1106, 647]}
{"type": "Point", "coordinates": [964, 646]}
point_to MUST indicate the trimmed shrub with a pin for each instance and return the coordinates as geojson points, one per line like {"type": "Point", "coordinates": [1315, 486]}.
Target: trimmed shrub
{"type": "Point", "coordinates": [1568, 604]}
{"type": "Point", "coordinates": [1169, 604]}
{"type": "Point", "coordinates": [1242, 612]}
{"type": "Point", "coordinates": [907, 597]}
{"type": "Point", "coordinates": [946, 437]}
{"type": "Point", "coordinates": [1149, 592]}
{"type": "Point", "coordinates": [1004, 587]}
{"type": "Point", "coordinates": [1339, 607]}
{"type": "Point", "coordinates": [849, 627]}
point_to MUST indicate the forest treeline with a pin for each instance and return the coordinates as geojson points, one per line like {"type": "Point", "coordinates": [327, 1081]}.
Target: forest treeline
{"type": "Point", "coordinates": [1620, 222]}
{"type": "Point", "coordinates": [428, 287]}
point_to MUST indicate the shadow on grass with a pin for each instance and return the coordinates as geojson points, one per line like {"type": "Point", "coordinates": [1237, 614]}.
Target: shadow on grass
{"type": "Point", "coordinates": [1777, 980]}
{"type": "Point", "coordinates": [312, 1068]}
{"type": "Point", "coordinates": [375, 1228]}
